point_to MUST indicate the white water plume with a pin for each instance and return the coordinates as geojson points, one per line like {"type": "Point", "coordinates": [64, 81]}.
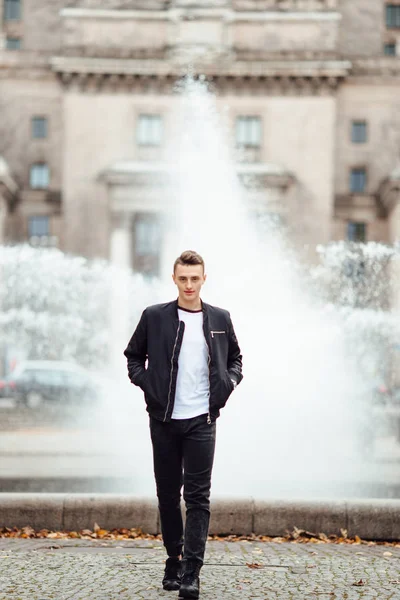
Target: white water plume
{"type": "Point", "coordinates": [295, 425]}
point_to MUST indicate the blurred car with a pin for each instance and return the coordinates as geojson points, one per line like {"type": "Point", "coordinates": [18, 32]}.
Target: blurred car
{"type": "Point", "coordinates": [386, 409]}
{"type": "Point", "coordinates": [36, 381]}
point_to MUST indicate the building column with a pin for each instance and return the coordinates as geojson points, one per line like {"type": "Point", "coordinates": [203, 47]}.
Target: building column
{"type": "Point", "coordinates": [121, 240]}
{"type": "Point", "coordinates": [3, 213]}
{"type": "Point", "coordinates": [394, 270]}
{"type": "Point", "coordinates": [120, 259]}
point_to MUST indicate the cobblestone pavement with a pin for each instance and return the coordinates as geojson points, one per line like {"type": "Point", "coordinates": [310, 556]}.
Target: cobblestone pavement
{"type": "Point", "coordinates": [99, 570]}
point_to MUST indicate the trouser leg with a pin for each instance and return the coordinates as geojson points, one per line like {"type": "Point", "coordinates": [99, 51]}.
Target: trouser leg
{"type": "Point", "coordinates": [168, 471]}
{"type": "Point", "coordinates": [198, 458]}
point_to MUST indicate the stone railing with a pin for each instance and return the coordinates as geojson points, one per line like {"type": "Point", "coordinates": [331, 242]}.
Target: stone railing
{"type": "Point", "coordinates": [119, 4]}
{"type": "Point", "coordinates": [257, 5]}
{"type": "Point", "coordinates": [300, 5]}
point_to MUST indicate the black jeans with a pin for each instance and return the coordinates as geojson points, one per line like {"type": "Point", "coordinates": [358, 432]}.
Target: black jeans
{"type": "Point", "coordinates": [183, 452]}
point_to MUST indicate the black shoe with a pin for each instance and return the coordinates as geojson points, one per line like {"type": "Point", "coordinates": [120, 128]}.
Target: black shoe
{"type": "Point", "coordinates": [172, 575]}
{"type": "Point", "coordinates": [190, 586]}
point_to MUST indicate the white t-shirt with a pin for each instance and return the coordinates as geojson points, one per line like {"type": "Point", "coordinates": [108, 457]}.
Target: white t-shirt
{"type": "Point", "coordinates": [193, 383]}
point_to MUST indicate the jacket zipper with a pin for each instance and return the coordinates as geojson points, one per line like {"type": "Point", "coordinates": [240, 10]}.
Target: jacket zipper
{"type": "Point", "coordinates": [209, 387]}
{"type": "Point", "coordinates": [209, 381]}
{"type": "Point", "coordinates": [213, 332]}
{"type": "Point", "coordinates": [171, 372]}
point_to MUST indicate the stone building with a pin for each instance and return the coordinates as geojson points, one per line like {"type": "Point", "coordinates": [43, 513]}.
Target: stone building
{"type": "Point", "coordinates": [85, 114]}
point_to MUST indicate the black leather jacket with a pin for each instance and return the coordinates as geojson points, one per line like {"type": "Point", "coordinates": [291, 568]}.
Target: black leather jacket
{"type": "Point", "coordinates": [158, 339]}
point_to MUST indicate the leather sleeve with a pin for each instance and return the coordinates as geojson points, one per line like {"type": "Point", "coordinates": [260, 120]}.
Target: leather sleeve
{"type": "Point", "coordinates": [234, 355]}
{"type": "Point", "coordinates": [136, 351]}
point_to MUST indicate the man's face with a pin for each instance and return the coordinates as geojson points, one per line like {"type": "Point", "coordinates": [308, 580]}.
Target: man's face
{"type": "Point", "coordinates": [189, 280]}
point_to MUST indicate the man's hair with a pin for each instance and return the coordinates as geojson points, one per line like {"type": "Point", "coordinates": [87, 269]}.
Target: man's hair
{"type": "Point", "coordinates": [189, 257]}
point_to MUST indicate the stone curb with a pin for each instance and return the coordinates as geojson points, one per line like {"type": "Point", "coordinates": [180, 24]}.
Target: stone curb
{"type": "Point", "coordinates": [369, 519]}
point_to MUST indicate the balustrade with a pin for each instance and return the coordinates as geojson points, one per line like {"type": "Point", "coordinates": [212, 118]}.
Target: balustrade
{"type": "Point", "coordinates": [297, 5]}
{"type": "Point", "coordinates": [257, 5]}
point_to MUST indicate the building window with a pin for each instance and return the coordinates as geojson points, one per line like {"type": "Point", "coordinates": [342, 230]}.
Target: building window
{"type": "Point", "coordinates": [38, 226]}
{"type": "Point", "coordinates": [390, 49]}
{"type": "Point", "coordinates": [12, 10]}
{"type": "Point", "coordinates": [248, 131]}
{"type": "Point", "coordinates": [149, 130]}
{"type": "Point", "coordinates": [393, 16]}
{"type": "Point", "coordinates": [13, 43]}
{"type": "Point", "coordinates": [356, 232]}
{"type": "Point", "coordinates": [39, 127]}
{"type": "Point", "coordinates": [359, 132]}
{"type": "Point", "coordinates": [147, 243]}
{"type": "Point", "coordinates": [39, 176]}
{"type": "Point", "coordinates": [358, 180]}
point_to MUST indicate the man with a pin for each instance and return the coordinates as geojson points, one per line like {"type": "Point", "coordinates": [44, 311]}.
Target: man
{"type": "Point", "coordinates": [193, 365]}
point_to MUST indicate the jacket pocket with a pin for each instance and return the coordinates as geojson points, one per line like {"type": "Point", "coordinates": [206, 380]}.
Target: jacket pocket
{"type": "Point", "coordinates": [224, 390]}
{"type": "Point", "coordinates": [141, 381]}
{"type": "Point", "coordinates": [154, 387]}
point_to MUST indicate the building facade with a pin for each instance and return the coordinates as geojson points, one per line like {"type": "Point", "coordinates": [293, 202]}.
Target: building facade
{"type": "Point", "coordinates": [86, 98]}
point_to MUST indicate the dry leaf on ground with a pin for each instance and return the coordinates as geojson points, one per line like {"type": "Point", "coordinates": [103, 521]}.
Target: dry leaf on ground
{"type": "Point", "coordinates": [297, 536]}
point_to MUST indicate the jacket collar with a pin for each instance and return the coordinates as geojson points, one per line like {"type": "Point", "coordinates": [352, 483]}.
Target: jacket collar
{"type": "Point", "coordinates": [204, 307]}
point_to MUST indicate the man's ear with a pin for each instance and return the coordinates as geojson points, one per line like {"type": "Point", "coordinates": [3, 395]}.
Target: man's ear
{"type": "Point", "coordinates": [205, 277]}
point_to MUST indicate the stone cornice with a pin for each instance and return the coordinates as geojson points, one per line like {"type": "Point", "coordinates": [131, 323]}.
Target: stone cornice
{"type": "Point", "coordinates": [346, 204]}
{"type": "Point", "coordinates": [286, 16]}
{"type": "Point", "coordinates": [8, 186]}
{"type": "Point", "coordinates": [110, 14]}
{"type": "Point", "coordinates": [376, 66]}
{"type": "Point", "coordinates": [6, 178]}
{"type": "Point", "coordinates": [389, 192]}
{"type": "Point", "coordinates": [274, 79]}
{"type": "Point", "coordinates": [202, 13]}
{"type": "Point", "coordinates": [285, 5]}
{"type": "Point", "coordinates": [150, 174]}
{"type": "Point", "coordinates": [224, 68]}
{"type": "Point", "coordinates": [237, 5]}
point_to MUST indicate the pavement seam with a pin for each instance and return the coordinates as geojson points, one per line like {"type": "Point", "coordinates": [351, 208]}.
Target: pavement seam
{"type": "Point", "coordinates": [63, 512]}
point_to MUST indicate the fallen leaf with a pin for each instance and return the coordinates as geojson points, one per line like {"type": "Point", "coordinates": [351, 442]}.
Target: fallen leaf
{"type": "Point", "coordinates": [254, 565]}
{"type": "Point", "coordinates": [359, 583]}
{"type": "Point", "coordinates": [101, 533]}
{"type": "Point", "coordinates": [74, 534]}
{"type": "Point", "coordinates": [297, 533]}
{"type": "Point", "coordinates": [297, 536]}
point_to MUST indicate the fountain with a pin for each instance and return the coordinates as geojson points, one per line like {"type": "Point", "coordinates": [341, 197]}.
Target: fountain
{"type": "Point", "coordinates": [315, 340]}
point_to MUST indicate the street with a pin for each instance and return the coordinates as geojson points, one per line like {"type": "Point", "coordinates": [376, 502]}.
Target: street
{"type": "Point", "coordinates": [106, 570]}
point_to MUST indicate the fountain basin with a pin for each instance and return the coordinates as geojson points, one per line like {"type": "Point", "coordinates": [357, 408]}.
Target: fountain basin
{"type": "Point", "coordinates": [369, 519]}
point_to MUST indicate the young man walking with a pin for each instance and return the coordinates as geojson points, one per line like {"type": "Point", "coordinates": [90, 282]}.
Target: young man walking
{"type": "Point", "coordinates": [193, 365]}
